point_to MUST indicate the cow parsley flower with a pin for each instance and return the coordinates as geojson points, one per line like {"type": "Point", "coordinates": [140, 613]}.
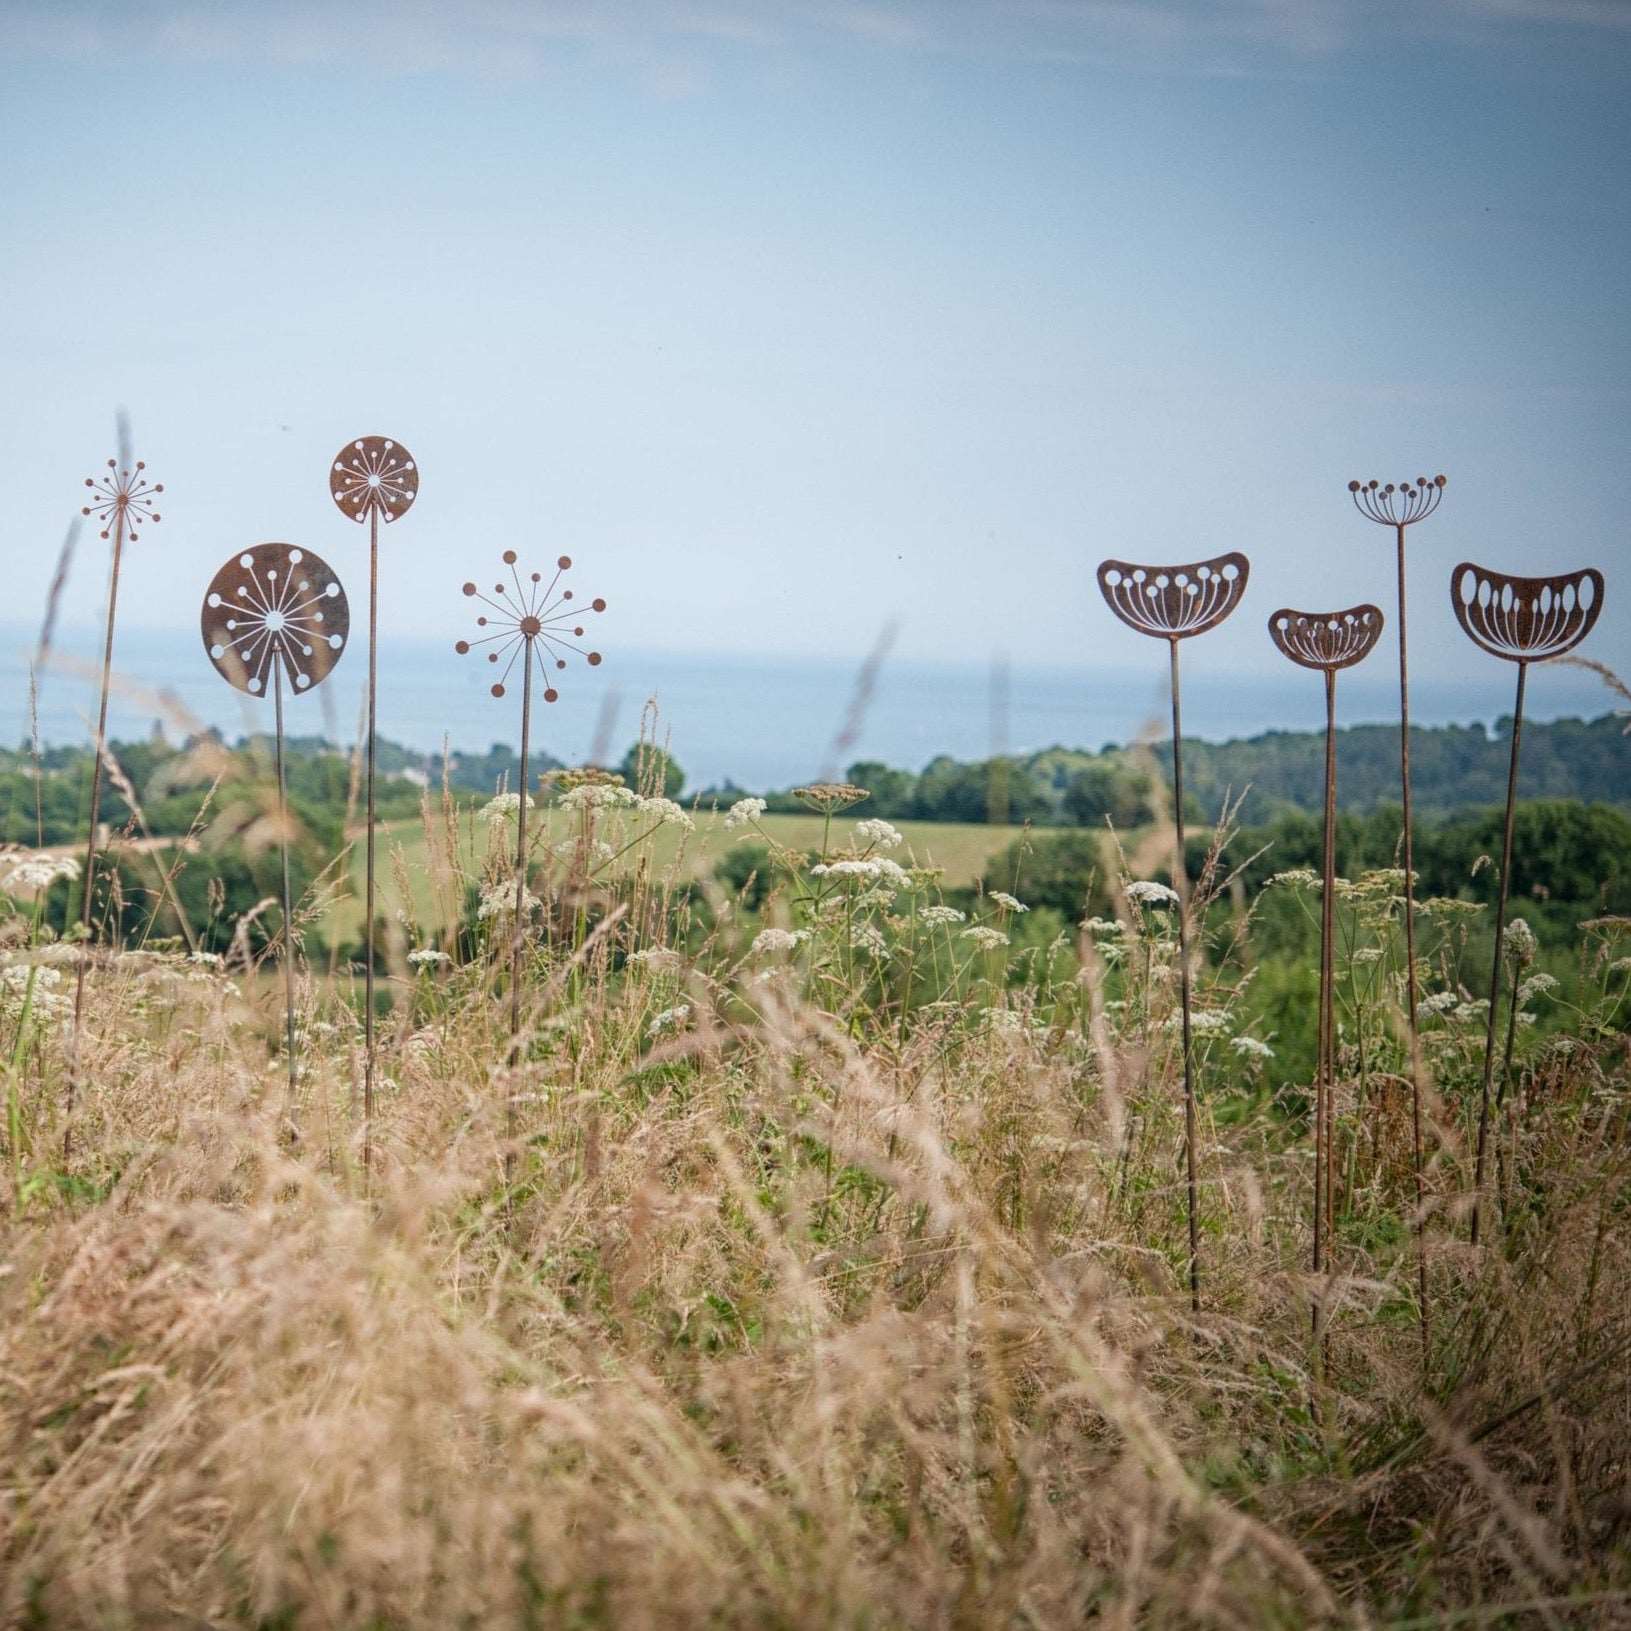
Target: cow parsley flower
{"type": "Point", "coordinates": [940, 916]}
{"type": "Point", "coordinates": [1518, 941]}
{"type": "Point", "coordinates": [743, 812]}
{"type": "Point", "coordinates": [767, 941]}
{"type": "Point", "coordinates": [1147, 893]}
{"type": "Point", "coordinates": [670, 1019]}
{"type": "Point", "coordinates": [667, 812]}
{"type": "Point", "coordinates": [877, 834]}
{"type": "Point", "coordinates": [40, 871]}
{"type": "Point", "coordinates": [501, 808]}
{"type": "Point", "coordinates": [1248, 1047]}
{"type": "Point", "coordinates": [428, 957]}
{"type": "Point", "coordinates": [984, 938]}
{"type": "Point", "coordinates": [1007, 902]}
{"type": "Point", "coordinates": [498, 900]}
{"type": "Point", "coordinates": [596, 796]}
{"type": "Point", "coordinates": [1537, 985]}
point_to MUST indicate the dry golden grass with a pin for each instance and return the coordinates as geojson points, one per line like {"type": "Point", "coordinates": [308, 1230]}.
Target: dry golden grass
{"type": "Point", "coordinates": [810, 1307]}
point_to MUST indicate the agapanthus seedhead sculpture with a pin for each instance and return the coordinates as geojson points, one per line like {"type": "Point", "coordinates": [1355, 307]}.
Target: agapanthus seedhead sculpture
{"type": "Point", "coordinates": [371, 479]}
{"type": "Point", "coordinates": [1172, 603]}
{"type": "Point", "coordinates": [1522, 621]}
{"type": "Point", "coordinates": [123, 498]}
{"type": "Point", "coordinates": [275, 612]}
{"type": "Point", "coordinates": [535, 626]}
{"type": "Point", "coordinates": [1400, 505]}
{"type": "Point", "coordinates": [1327, 642]}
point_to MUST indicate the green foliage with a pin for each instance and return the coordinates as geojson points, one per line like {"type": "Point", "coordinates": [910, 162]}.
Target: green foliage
{"type": "Point", "coordinates": [646, 766]}
{"type": "Point", "coordinates": [1061, 870]}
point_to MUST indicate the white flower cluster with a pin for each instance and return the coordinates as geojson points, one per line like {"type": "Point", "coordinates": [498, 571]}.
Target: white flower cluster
{"type": "Point", "coordinates": [743, 812]}
{"type": "Point", "coordinates": [670, 1019]}
{"type": "Point", "coordinates": [869, 939]}
{"type": "Point", "coordinates": [498, 900]}
{"type": "Point", "coordinates": [1100, 927]}
{"type": "Point", "coordinates": [501, 808]}
{"type": "Point", "coordinates": [1298, 878]}
{"type": "Point", "coordinates": [597, 853]}
{"type": "Point", "coordinates": [767, 941]}
{"type": "Point", "coordinates": [36, 872]}
{"type": "Point", "coordinates": [207, 959]}
{"type": "Point", "coordinates": [428, 957]}
{"type": "Point", "coordinates": [1007, 902]}
{"type": "Point", "coordinates": [1441, 1002]}
{"type": "Point", "coordinates": [1202, 1022]}
{"type": "Point", "coordinates": [1468, 1011]}
{"type": "Point", "coordinates": [940, 916]}
{"type": "Point", "coordinates": [875, 868]}
{"type": "Point", "coordinates": [1248, 1047]}
{"type": "Point", "coordinates": [984, 938]}
{"type": "Point", "coordinates": [1368, 954]}
{"type": "Point", "coordinates": [664, 959]}
{"type": "Point", "coordinates": [1518, 940]}
{"type": "Point", "coordinates": [596, 796]}
{"type": "Point", "coordinates": [667, 812]}
{"type": "Point", "coordinates": [876, 834]}
{"type": "Point", "coordinates": [50, 1005]}
{"type": "Point", "coordinates": [1151, 894]}
{"type": "Point", "coordinates": [1537, 985]}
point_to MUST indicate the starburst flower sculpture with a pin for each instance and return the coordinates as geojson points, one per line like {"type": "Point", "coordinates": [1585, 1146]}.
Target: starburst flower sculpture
{"type": "Point", "coordinates": [274, 605]}
{"type": "Point", "coordinates": [534, 625]}
{"type": "Point", "coordinates": [1397, 503]}
{"type": "Point", "coordinates": [374, 477]}
{"type": "Point", "coordinates": [123, 499]}
{"type": "Point", "coordinates": [1327, 642]}
{"type": "Point", "coordinates": [1524, 621]}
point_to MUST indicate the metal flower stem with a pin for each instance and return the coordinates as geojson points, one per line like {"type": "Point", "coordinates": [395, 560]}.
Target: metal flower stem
{"type": "Point", "coordinates": [1495, 958]}
{"type": "Point", "coordinates": [1180, 881]}
{"type": "Point", "coordinates": [1411, 988]}
{"type": "Point", "coordinates": [1325, 1071]}
{"type": "Point", "coordinates": [368, 972]}
{"type": "Point", "coordinates": [88, 887]}
{"type": "Point", "coordinates": [288, 906]}
{"type": "Point", "coordinates": [520, 870]}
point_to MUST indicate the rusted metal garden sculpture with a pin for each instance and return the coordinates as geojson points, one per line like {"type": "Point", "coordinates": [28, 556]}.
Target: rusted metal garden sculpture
{"type": "Point", "coordinates": [272, 615]}
{"type": "Point", "coordinates": [1172, 603]}
{"type": "Point", "coordinates": [1327, 642]}
{"type": "Point", "coordinates": [1524, 621]}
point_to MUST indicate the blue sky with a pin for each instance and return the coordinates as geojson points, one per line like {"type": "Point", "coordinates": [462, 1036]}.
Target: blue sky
{"type": "Point", "coordinates": [787, 319]}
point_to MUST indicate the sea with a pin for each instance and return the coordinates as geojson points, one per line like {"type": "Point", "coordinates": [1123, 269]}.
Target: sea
{"type": "Point", "coordinates": [750, 722]}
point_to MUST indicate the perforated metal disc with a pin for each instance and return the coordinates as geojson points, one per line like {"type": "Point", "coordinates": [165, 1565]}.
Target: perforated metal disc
{"type": "Point", "coordinates": [274, 602]}
{"type": "Point", "coordinates": [374, 474]}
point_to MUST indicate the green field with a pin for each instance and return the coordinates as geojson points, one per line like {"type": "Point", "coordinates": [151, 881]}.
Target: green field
{"type": "Point", "coordinates": [961, 849]}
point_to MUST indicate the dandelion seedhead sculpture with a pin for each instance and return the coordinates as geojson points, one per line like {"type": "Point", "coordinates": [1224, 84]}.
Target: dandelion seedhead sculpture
{"type": "Point", "coordinates": [371, 479]}
{"type": "Point", "coordinates": [1326, 641]}
{"type": "Point", "coordinates": [122, 501]}
{"type": "Point", "coordinates": [1524, 621]}
{"type": "Point", "coordinates": [534, 626]}
{"type": "Point", "coordinates": [1400, 505]}
{"type": "Point", "coordinates": [1172, 603]}
{"type": "Point", "coordinates": [276, 612]}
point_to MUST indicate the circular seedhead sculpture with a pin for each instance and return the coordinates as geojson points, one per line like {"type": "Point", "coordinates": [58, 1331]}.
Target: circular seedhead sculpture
{"type": "Point", "coordinates": [122, 496]}
{"type": "Point", "coordinates": [274, 602]}
{"type": "Point", "coordinates": [1526, 620]}
{"type": "Point", "coordinates": [1174, 602]}
{"type": "Point", "coordinates": [1326, 640]}
{"type": "Point", "coordinates": [1397, 503]}
{"type": "Point", "coordinates": [374, 476]}
{"type": "Point", "coordinates": [536, 621]}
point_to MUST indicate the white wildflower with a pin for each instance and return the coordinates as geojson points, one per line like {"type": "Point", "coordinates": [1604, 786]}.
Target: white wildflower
{"type": "Point", "coordinates": [1203, 1022]}
{"type": "Point", "coordinates": [1537, 985]}
{"type": "Point", "coordinates": [767, 941]}
{"type": "Point", "coordinates": [940, 916]}
{"type": "Point", "coordinates": [1518, 941]}
{"type": "Point", "coordinates": [428, 957]}
{"type": "Point", "coordinates": [502, 808]}
{"type": "Point", "coordinates": [1097, 926]}
{"type": "Point", "coordinates": [1441, 1002]}
{"type": "Point", "coordinates": [1151, 894]}
{"type": "Point", "coordinates": [743, 812]}
{"type": "Point", "coordinates": [1368, 954]}
{"type": "Point", "coordinates": [1007, 902]}
{"type": "Point", "coordinates": [664, 959]}
{"type": "Point", "coordinates": [667, 812]}
{"type": "Point", "coordinates": [869, 939]}
{"type": "Point", "coordinates": [670, 1019]}
{"type": "Point", "coordinates": [36, 872]}
{"type": "Point", "coordinates": [1466, 1012]}
{"type": "Point", "coordinates": [1297, 878]}
{"type": "Point", "coordinates": [207, 959]}
{"type": "Point", "coordinates": [498, 900]}
{"type": "Point", "coordinates": [1248, 1047]}
{"type": "Point", "coordinates": [596, 796]}
{"type": "Point", "coordinates": [876, 834]}
{"type": "Point", "coordinates": [986, 939]}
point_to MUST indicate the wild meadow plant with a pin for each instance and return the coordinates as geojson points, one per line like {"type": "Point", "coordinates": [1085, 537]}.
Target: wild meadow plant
{"type": "Point", "coordinates": [818, 1258]}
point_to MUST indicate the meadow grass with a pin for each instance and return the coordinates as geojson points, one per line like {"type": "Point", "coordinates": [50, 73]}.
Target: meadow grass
{"type": "Point", "coordinates": [817, 1266]}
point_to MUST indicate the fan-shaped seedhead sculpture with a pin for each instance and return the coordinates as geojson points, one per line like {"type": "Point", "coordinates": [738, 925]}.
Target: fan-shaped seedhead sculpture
{"type": "Point", "coordinates": [275, 601]}
{"type": "Point", "coordinates": [1173, 602]}
{"type": "Point", "coordinates": [1397, 503]}
{"type": "Point", "coordinates": [374, 476]}
{"type": "Point", "coordinates": [122, 495]}
{"type": "Point", "coordinates": [535, 620]}
{"type": "Point", "coordinates": [1526, 620]}
{"type": "Point", "coordinates": [1326, 640]}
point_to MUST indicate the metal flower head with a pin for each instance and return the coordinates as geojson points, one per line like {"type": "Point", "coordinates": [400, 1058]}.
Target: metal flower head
{"type": "Point", "coordinates": [123, 495]}
{"type": "Point", "coordinates": [1173, 602]}
{"type": "Point", "coordinates": [275, 602]}
{"type": "Point", "coordinates": [534, 620]}
{"type": "Point", "coordinates": [1526, 620]}
{"type": "Point", "coordinates": [1326, 640]}
{"type": "Point", "coordinates": [1397, 504]}
{"type": "Point", "coordinates": [374, 476]}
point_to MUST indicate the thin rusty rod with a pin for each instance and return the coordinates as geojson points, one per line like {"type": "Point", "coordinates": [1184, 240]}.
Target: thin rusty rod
{"type": "Point", "coordinates": [288, 908]}
{"type": "Point", "coordinates": [1495, 959]}
{"type": "Point", "coordinates": [1411, 993]}
{"type": "Point", "coordinates": [1180, 880]}
{"type": "Point", "coordinates": [1325, 1070]}
{"type": "Point", "coordinates": [520, 916]}
{"type": "Point", "coordinates": [88, 887]}
{"type": "Point", "coordinates": [368, 973]}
